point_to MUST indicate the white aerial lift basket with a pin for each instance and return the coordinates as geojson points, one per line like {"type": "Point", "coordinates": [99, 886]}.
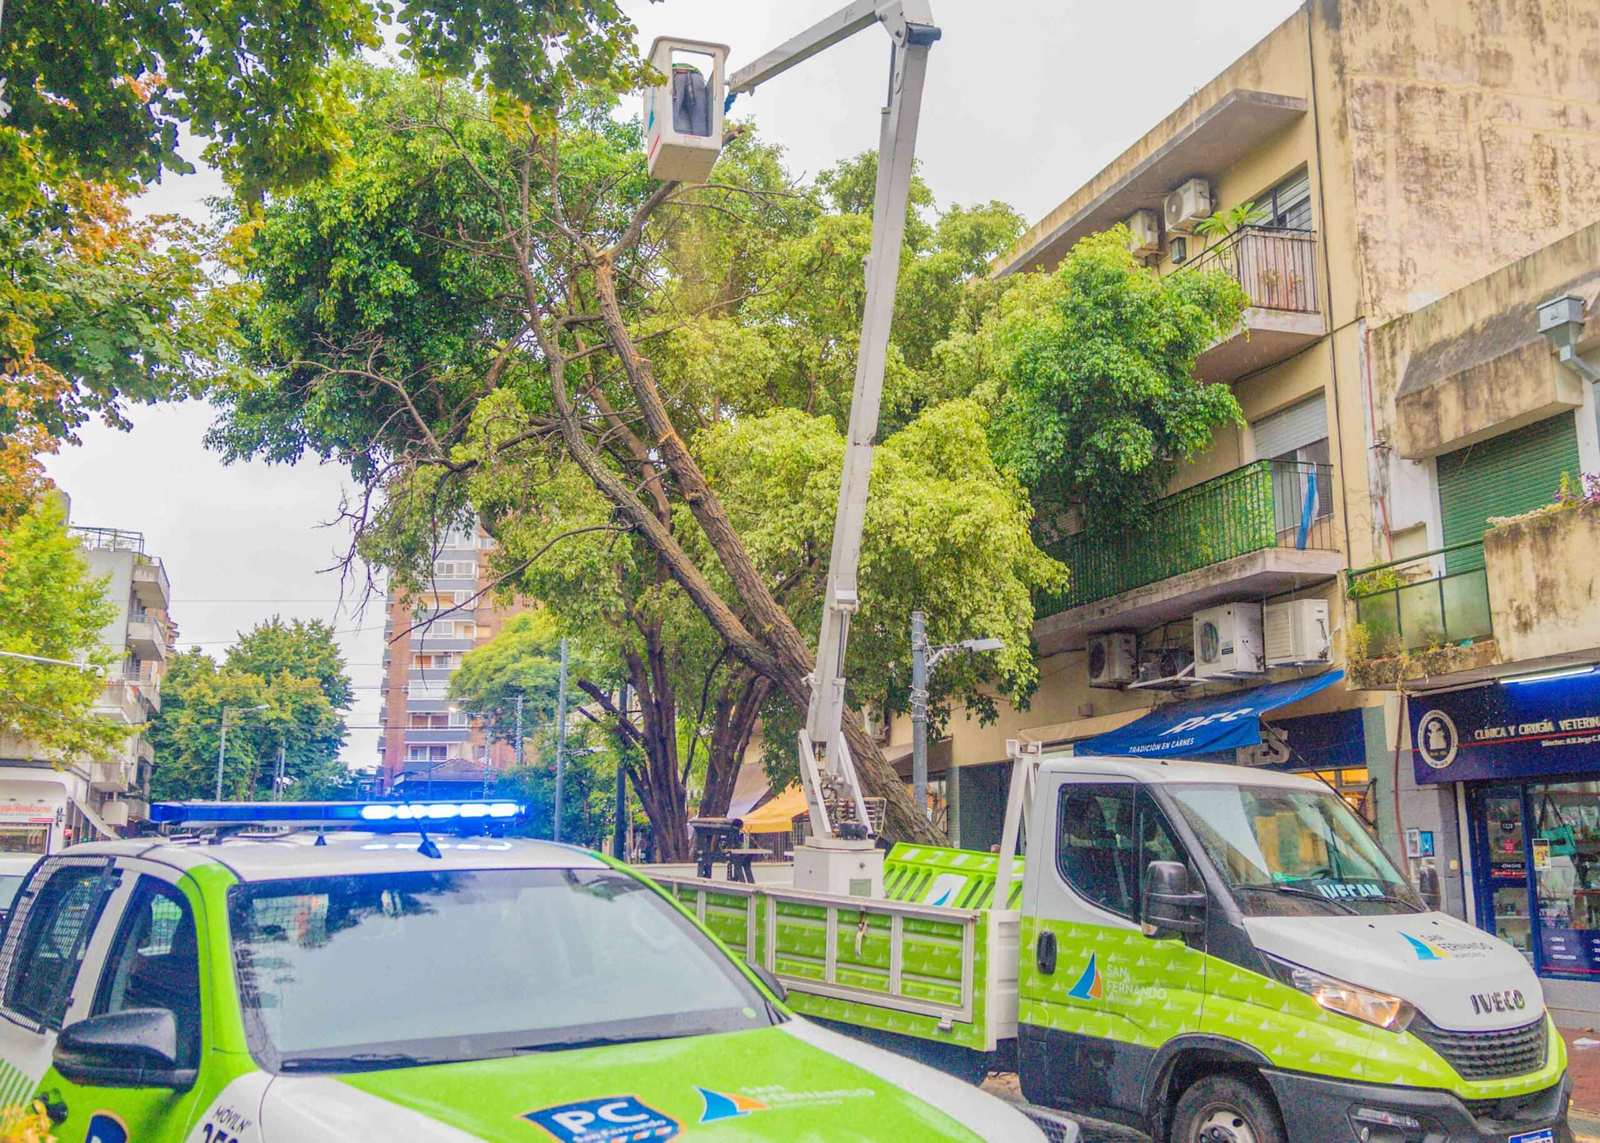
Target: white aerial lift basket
{"type": "Point", "coordinates": [683, 116]}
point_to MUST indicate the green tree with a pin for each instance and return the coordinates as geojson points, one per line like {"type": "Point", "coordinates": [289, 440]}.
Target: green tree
{"type": "Point", "coordinates": [523, 660]}
{"type": "Point", "coordinates": [1090, 373]}
{"type": "Point", "coordinates": [474, 349]}
{"type": "Point", "coordinates": [293, 670]}
{"type": "Point", "coordinates": [52, 608]}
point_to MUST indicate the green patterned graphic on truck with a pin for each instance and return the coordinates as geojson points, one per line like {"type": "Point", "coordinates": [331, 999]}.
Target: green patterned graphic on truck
{"type": "Point", "coordinates": [939, 875]}
{"type": "Point", "coordinates": [1127, 996]}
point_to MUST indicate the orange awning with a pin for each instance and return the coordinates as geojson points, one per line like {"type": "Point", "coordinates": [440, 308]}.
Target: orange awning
{"type": "Point", "coordinates": [777, 816]}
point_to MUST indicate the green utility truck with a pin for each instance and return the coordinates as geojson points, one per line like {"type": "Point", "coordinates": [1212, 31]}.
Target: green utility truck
{"type": "Point", "coordinates": [1210, 953]}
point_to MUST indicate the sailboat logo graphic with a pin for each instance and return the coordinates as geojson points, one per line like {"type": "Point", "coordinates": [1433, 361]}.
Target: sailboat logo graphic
{"type": "Point", "coordinates": [1090, 986]}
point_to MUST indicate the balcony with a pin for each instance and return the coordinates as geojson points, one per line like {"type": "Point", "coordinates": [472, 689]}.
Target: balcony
{"type": "Point", "coordinates": [422, 641]}
{"type": "Point", "coordinates": [108, 539]}
{"type": "Point", "coordinates": [129, 700]}
{"type": "Point", "coordinates": [1278, 270]}
{"type": "Point", "coordinates": [150, 583]}
{"type": "Point", "coordinates": [1524, 599]}
{"type": "Point", "coordinates": [436, 736]}
{"type": "Point", "coordinates": [1260, 529]}
{"type": "Point", "coordinates": [147, 638]}
{"type": "Point", "coordinates": [114, 777]}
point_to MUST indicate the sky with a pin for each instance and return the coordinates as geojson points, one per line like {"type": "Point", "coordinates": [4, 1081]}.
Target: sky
{"type": "Point", "coordinates": [1025, 101]}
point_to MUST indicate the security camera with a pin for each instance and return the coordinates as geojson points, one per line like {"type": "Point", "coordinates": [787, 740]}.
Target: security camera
{"type": "Point", "coordinates": [1561, 323]}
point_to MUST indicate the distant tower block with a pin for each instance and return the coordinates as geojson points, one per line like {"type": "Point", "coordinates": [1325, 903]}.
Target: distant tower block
{"type": "Point", "coordinates": [683, 116]}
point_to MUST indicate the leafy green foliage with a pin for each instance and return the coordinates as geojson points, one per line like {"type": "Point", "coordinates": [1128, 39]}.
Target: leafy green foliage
{"type": "Point", "coordinates": [296, 672]}
{"type": "Point", "coordinates": [51, 607]}
{"type": "Point", "coordinates": [1091, 374]}
{"type": "Point", "coordinates": [523, 660]}
{"type": "Point", "coordinates": [1225, 222]}
{"type": "Point", "coordinates": [108, 86]}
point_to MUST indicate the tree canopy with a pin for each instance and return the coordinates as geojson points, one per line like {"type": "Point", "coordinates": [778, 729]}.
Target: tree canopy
{"type": "Point", "coordinates": [293, 670]}
{"type": "Point", "coordinates": [488, 319]}
{"type": "Point", "coordinates": [50, 606]}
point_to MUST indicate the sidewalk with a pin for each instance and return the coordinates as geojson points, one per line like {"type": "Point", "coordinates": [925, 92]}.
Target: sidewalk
{"type": "Point", "coordinates": [1583, 1064]}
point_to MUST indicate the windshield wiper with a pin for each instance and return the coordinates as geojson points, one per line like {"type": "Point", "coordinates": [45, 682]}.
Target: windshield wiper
{"type": "Point", "coordinates": [357, 1062]}
{"type": "Point", "coordinates": [595, 1042]}
{"type": "Point", "coordinates": [1296, 891]}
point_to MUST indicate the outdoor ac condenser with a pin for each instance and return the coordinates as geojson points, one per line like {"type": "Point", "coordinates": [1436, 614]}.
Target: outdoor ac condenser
{"type": "Point", "coordinates": [1297, 633]}
{"type": "Point", "coordinates": [1187, 205]}
{"type": "Point", "coordinates": [1113, 659]}
{"type": "Point", "coordinates": [1227, 642]}
{"type": "Point", "coordinates": [1145, 232]}
{"type": "Point", "coordinates": [683, 116]}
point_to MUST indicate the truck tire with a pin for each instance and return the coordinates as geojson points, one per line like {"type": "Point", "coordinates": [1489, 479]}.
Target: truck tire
{"type": "Point", "coordinates": [1226, 1109]}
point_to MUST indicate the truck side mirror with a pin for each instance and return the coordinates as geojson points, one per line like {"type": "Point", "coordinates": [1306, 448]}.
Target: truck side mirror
{"type": "Point", "coordinates": [135, 1048]}
{"type": "Point", "coordinates": [1171, 908]}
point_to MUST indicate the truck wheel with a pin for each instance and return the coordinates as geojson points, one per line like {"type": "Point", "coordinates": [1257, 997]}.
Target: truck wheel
{"type": "Point", "coordinates": [1226, 1109]}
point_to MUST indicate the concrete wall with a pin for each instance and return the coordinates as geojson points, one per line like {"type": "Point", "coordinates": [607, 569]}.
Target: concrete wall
{"type": "Point", "coordinates": [1473, 129]}
{"type": "Point", "coordinates": [1544, 584]}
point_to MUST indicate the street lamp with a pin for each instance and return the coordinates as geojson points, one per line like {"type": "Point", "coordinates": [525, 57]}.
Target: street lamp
{"type": "Point", "coordinates": [923, 659]}
{"type": "Point", "coordinates": [222, 743]}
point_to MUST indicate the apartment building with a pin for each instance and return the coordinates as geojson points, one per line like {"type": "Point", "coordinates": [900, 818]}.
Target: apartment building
{"type": "Point", "coordinates": [426, 744]}
{"type": "Point", "coordinates": [1483, 621]}
{"type": "Point", "coordinates": [43, 806]}
{"type": "Point", "coordinates": [1397, 153]}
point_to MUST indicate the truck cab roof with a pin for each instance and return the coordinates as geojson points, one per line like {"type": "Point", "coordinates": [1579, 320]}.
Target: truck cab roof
{"type": "Point", "coordinates": [1173, 771]}
{"type": "Point", "coordinates": [272, 857]}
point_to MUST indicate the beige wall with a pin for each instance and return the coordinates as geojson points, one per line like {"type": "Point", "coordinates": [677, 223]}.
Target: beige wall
{"type": "Point", "coordinates": [1544, 585]}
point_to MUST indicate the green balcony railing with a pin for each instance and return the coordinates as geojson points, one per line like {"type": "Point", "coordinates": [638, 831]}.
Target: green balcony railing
{"type": "Point", "coordinates": [1266, 504]}
{"type": "Point", "coordinates": [1403, 608]}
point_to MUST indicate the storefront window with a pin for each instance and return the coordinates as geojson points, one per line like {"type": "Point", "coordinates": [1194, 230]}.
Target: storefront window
{"type": "Point", "coordinates": [1508, 868]}
{"type": "Point", "coordinates": [24, 839]}
{"type": "Point", "coordinates": [1566, 867]}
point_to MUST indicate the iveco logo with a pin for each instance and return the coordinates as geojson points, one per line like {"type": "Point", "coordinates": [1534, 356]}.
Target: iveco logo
{"type": "Point", "coordinates": [1510, 1000]}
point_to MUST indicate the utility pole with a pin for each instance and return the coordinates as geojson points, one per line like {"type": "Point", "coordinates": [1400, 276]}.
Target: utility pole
{"type": "Point", "coordinates": [222, 741]}
{"type": "Point", "coordinates": [619, 825]}
{"type": "Point", "coordinates": [278, 775]}
{"type": "Point", "coordinates": [919, 712]}
{"type": "Point", "coordinates": [519, 729]}
{"type": "Point", "coordinates": [561, 735]}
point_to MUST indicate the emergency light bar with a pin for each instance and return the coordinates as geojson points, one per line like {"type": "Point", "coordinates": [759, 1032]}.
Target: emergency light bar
{"type": "Point", "coordinates": [363, 815]}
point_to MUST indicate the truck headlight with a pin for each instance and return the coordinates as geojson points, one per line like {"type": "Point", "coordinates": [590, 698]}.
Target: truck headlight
{"type": "Point", "coordinates": [1377, 1008]}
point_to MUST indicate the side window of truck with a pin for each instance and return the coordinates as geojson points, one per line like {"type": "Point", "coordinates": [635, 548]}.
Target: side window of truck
{"type": "Point", "coordinates": [46, 954]}
{"type": "Point", "coordinates": [1097, 849]}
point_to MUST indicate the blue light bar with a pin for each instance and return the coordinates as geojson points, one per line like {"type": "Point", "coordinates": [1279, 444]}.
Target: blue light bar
{"type": "Point", "coordinates": [363, 815]}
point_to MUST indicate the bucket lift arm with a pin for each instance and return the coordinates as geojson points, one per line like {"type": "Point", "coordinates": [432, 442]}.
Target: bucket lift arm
{"type": "Point", "coordinates": [827, 771]}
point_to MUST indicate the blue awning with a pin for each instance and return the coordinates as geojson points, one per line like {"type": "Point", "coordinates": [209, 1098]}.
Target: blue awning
{"type": "Point", "coordinates": [1204, 726]}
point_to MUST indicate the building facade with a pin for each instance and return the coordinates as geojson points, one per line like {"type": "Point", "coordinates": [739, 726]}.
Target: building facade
{"type": "Point", "coordinates": [1396, 155]}
{"type": "Point", "coordinates": [426, 743]}
{"type": "Point", "coordinates": [45, 806]}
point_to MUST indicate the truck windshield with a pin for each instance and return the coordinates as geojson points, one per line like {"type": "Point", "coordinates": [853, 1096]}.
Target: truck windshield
{"type": "Point", "coordinates": [1285, 851]}
{"type": "Point", "coordinates": [355, 973]}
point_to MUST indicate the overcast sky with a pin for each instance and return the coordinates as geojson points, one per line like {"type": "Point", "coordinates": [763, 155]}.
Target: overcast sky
{"type": "Point", "coordinates": [1025, 100]}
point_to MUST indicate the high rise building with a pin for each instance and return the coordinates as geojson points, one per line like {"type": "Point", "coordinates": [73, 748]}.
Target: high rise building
{"type": "Point", "coordinates": [45, 806]}
{"type": "Point", "coordinates": [427, 745]}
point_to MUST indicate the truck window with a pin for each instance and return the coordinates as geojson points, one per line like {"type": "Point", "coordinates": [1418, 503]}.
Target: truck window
{"type": "Point", "coordinates": [154, 963]}
{"type": "Point", "coordinates": [1096, 848]}
{"type": "Point", "coordinates": [46, 957]}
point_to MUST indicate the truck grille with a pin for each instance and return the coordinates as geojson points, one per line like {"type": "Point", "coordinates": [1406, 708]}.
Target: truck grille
{"type": "Point", "coordinates": [1487, 1055]}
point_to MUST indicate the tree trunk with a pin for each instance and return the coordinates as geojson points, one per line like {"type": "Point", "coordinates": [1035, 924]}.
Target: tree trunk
{"type": "Point", "coordinates": [733, 724]}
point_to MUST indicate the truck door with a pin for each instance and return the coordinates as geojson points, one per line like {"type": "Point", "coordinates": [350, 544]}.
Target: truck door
{"type": "Point", "coordinates": [1098, 997]}
{"type": "Point", "coordinates": [152, 961]}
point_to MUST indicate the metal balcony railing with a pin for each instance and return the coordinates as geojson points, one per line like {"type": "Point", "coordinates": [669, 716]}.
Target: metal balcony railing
{"type": "Point", "coordinates": [1406, 604]}
{"type": "Point", "coordinates": [108, 539]}
{"type": "Point", "coordinates": [1277, 268]}
{"type": "Point", "coordinates": [1265, 504]}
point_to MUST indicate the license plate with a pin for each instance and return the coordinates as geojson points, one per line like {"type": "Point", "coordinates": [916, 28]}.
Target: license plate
{"type": "Point", "coordinates": [1543, 1135]}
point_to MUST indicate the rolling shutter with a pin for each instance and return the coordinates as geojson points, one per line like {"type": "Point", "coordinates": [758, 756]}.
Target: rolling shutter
{"type": "Point", "coordinates": [1503, 476]}
{"type": "Point", "coordinates": [1292, 428]}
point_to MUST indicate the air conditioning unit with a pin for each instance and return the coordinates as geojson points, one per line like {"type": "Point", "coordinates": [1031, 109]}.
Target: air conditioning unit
{"type": "Point", "coordinates": [873, 722]}
{"type": "Point", "coordinates": [1188, 205]}
{"type": "Point", "coordinates": [1113, 659]}
{"type": "Point", "coordinates": [1145, 233]}
{"type": "Point", "coordinates": [1297, 633]}
{"type": "Point", "coordinates": [1227, 642]}
{"type": "Point", "coordinates": [1164, 663]}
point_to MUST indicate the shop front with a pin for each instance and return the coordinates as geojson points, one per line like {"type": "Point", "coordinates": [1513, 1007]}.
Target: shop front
{"type": "Point", "coordinates": [1525, 755]}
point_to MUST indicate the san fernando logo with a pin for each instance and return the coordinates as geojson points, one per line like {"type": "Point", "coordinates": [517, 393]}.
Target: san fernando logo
{"type": "Point", "coordinates": [1090, 986]}
{"type": "Point", "coordinates": [725, 1105]}
{"type": "Point", "coordinates": [1426, 949]}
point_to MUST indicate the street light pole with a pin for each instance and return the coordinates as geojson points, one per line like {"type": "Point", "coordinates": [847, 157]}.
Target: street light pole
{"type": "Point", "coordinates": [919, 712]}
{"type": "Point", "coordinates": [222, 742]}
{"type": "Point", "coordinates": [561, 735]}
{"type": "Point", "coordinates": [923, 659]}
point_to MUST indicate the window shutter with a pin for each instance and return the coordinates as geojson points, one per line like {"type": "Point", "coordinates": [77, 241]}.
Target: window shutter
{"type": "Point", "coordinates": [1292, 428]}
{"type": "Point", "coordinates": [1503, 476]}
